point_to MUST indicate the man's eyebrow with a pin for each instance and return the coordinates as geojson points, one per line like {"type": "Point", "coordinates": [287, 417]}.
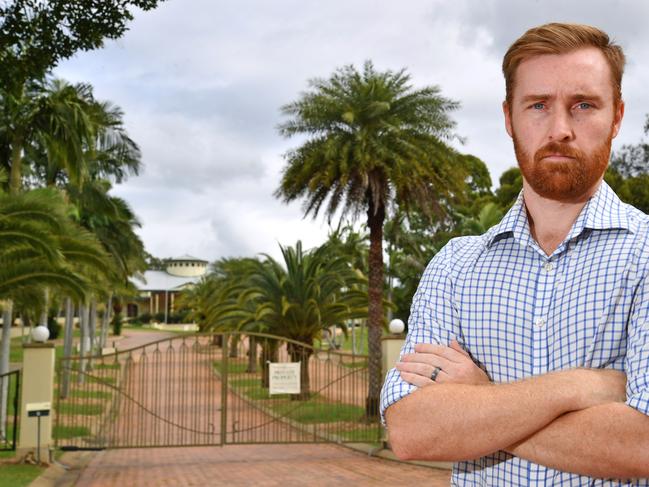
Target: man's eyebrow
{"type": "Point", "coordinates": [535, 97]}
{"type": "Point", "coordinates": [587, 96]}
{"type": "Point", "coordinates": [575, 97]}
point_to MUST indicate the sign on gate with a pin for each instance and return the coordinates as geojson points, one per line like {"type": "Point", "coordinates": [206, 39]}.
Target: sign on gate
{"type": "Point", "coordinates": [284, 378]}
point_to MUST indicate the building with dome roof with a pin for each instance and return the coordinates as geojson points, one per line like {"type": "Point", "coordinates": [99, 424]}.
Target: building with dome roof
{"type": "Point", "coordinates": [159, 288]}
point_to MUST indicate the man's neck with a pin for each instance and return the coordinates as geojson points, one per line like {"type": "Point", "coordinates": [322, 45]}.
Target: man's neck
{"type": "Point", "coordinates": [550, 220]}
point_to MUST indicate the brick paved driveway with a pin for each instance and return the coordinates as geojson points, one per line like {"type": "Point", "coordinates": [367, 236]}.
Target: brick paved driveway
{"type": "Point", "coordinates": [246, 465]}
{"type": "Point", "coordinates": [252, 465]}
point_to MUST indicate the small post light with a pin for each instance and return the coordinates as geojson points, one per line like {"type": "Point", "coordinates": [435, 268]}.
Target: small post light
{"type": "Point", "coordinates": [40, 334]}
{"type": "Point", "coordinates": [397, 326]}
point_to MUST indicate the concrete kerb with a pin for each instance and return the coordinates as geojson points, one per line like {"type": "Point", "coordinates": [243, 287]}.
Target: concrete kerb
{"type": "Point", "coordinates": [66, 471]}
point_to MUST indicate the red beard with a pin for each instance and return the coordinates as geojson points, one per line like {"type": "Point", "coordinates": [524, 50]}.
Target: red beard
{"type": "Point", "coordinates": [563, 181]}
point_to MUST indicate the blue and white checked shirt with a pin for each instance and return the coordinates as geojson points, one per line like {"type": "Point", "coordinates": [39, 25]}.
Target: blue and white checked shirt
{"type": "Point", "coordinates": [521, 313]}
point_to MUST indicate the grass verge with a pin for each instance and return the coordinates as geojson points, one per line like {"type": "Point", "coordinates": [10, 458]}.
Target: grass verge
{"type": "Point", "coordinates": [18, 475]}
{"type": "Point", "coordinates": [66, 432]}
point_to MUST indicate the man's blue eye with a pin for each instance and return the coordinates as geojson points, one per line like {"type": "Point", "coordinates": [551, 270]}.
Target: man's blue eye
{"type": "Point", "coordinates": [584, 105]}
{"type": "Point", "coordinates": [538, 106]}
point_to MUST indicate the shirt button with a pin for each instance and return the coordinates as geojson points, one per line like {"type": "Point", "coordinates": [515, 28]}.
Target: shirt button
{"type": "Point", "coordinates": [548, 266]}
{"type": "Point", "coordinates": [540, 322]}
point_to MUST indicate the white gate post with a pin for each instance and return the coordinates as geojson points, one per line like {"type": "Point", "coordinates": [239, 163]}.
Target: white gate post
{"type": "Point", "coordinates": [37, 394]}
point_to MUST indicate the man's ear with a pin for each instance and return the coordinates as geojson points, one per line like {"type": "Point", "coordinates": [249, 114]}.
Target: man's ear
{"type": "Point", "coordinates": [508, 118]}
{"type": "Point", "coordinates": [617, 118]}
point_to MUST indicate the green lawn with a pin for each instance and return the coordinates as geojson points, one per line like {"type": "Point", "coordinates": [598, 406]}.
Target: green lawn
{"type": "Point", "coordinates": [319, 411]}
{"type": "Point", "coordinates": [235, 366]}
{"type": "Point", "coordinates": [112, 365]}
{"type": "Point", "coordinates": [82, 409]}
{"type": "Point", "coordinates": [67, 432]}
{"type": "Point", "coordinates": [245, 382]}
{"type": "Point", "coordinates": [83, 394]}
{"type": "Point", "coordinates": [16, 350]}
{"type": "Point", "coordinates": [315, 410]}
{"type": "Point", "coordinates": [18, 475]}
{"type": "Point", "coordinates": [347, 342]}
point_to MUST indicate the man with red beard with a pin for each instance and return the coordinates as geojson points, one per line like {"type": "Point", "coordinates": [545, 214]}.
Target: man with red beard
{"type": "Point", "coordinates": [527, 356]}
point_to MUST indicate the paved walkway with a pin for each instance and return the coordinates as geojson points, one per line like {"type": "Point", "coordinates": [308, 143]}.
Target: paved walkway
{"type": "Point", "coordinates": [252, 465]}
{"type": "Point", "coordinates": [236, 465]}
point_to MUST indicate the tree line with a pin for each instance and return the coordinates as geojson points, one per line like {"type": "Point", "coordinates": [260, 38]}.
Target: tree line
{"type": "Point", "coordinates": [65, 241]}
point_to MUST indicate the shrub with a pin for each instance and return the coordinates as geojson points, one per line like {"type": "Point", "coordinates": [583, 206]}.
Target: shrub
{"type": "Point", "coordinates": [117, 324]}
{"type": "Point", "coordinates": [54, 327]}
{"type": "Point", "coordinates": [144, 318]}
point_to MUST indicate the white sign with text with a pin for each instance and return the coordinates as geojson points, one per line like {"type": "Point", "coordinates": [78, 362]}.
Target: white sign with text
{"type": "Point", "coordinates": [284, 378]}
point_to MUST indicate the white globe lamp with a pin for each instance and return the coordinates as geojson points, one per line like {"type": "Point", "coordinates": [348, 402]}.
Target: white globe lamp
{"type": "Point", "coordinates": [40, 334]}
{"type": "Point", "coordinates": [397, 326]}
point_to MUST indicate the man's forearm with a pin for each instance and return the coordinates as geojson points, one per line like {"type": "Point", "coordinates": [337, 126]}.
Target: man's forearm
{"type": "Point", "coordinates": [457, 422]}
{"type": "Point", "coordinates": [607, 441]}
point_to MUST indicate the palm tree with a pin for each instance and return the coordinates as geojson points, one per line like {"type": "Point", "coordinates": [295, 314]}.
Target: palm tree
{"type": "Point", "coordinates": [372, 140]}
{"type": "Point", "coordinates": [489, 216]}
{"type": "Point", "coordinates": [52, 115]}
{"type": "Point", "coordinates": [40, 246]}
{"type": "Point", "coordinates": [310, 292]}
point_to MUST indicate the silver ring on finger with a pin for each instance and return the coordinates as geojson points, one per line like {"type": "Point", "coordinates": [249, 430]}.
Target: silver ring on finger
{"type": "Point", "coordinates": [435, 373]}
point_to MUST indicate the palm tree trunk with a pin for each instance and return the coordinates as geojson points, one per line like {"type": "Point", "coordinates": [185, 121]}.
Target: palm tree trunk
{"type": "Point", "coordinates": [15, 174]}
{"type": "Point", "coordinates": [92, 328]}
{"type": "Point", "coordinates": [301, 354]}
{"type": "Point", "coordinates": [105, 321]}
{"type": "Point", "coordinates": [26, 322]}
{"type": "Point", "coordinates": [7, 319]}
{"type": "Point", "coordinates": [269, 353]}
{"type": "Point", "coordinates": [83, 349]}
{"type": "Point", "coordinates": [252, 355]}
{"type": "Point", "coordinates": [67, 346]}
{"type": "Point", "coordinates": [42, 321]}
{"type": "Point", "coordinates": [234, 346]}
{"type": "Point", "coordinates": [375, 308]}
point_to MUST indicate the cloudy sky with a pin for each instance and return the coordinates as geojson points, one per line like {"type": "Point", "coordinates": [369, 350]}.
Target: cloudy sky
{"type": "Point", "coordinates": [201, 83]}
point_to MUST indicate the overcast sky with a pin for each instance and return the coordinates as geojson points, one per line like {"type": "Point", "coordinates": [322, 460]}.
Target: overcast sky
{"type": "Point", "coordinates": [201, 83]}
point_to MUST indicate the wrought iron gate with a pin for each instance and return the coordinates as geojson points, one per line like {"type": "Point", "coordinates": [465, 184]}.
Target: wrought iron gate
{"type": "Point", "coordinates": [210, 390]}
{"type": "Point", "coordinates": [9, 409]}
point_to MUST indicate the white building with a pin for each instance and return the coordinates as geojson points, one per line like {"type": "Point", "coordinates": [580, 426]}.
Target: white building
{"type": "Point", "coordinates": [158, 292]}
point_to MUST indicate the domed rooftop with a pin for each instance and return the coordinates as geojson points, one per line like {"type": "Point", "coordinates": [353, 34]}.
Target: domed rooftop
{"type": "Point", "coordinates": [187, 266]}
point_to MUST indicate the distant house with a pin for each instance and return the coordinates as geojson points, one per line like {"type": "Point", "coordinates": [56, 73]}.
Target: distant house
{"type": "Point", "coordinates": [158, 292]}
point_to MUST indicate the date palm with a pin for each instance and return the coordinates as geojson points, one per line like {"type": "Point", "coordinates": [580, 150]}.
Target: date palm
{"type": "Point", "coordinates": [372, 140]}
{"type": "Point", "coordinates": [40, 246]}
{"type": "Point", "coordinates": [307, 293]}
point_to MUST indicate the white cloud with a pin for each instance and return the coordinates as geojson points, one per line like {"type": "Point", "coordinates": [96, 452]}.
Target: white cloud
{"type": "Point", "coordinates": [202, 81]}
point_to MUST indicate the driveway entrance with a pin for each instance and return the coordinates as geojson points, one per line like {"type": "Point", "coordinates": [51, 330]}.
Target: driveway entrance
{"type": "Point", "coordinates": [211, 389]}
{"type": "Point", "coordinates": [253, 465]}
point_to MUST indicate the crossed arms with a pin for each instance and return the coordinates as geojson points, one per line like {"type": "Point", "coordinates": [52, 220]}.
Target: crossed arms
{"type": "Point", "coordinates": [574, 420]}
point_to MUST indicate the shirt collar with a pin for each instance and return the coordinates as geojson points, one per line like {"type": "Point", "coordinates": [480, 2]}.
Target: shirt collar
{"type": "Point", "coordinates": [603, 211]}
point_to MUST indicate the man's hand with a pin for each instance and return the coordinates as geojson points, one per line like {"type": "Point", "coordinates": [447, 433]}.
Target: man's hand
{"type": "Point", "coordinates": [456, 366]}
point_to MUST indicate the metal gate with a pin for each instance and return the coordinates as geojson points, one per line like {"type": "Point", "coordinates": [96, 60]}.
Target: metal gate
{"type": "Point", "coordinates": [9, 409]}
{"type": "Point", "coordinates": [211, 389]}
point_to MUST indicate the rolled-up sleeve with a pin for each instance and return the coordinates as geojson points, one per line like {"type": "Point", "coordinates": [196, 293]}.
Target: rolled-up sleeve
{"type": "Point", "coordinates": [637, 355]}
{"type": "Point", "coordinates": [433, 319]}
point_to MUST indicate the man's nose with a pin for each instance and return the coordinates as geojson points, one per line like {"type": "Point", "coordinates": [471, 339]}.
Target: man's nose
{"type": "Point", "coordinates": [561, 126]}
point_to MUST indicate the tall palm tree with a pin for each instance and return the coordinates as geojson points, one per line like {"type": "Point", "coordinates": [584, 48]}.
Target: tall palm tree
{"type": "Point", "coordinates": [50, 114]}
{"type": "Point", "coordinates": [372, 140]}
